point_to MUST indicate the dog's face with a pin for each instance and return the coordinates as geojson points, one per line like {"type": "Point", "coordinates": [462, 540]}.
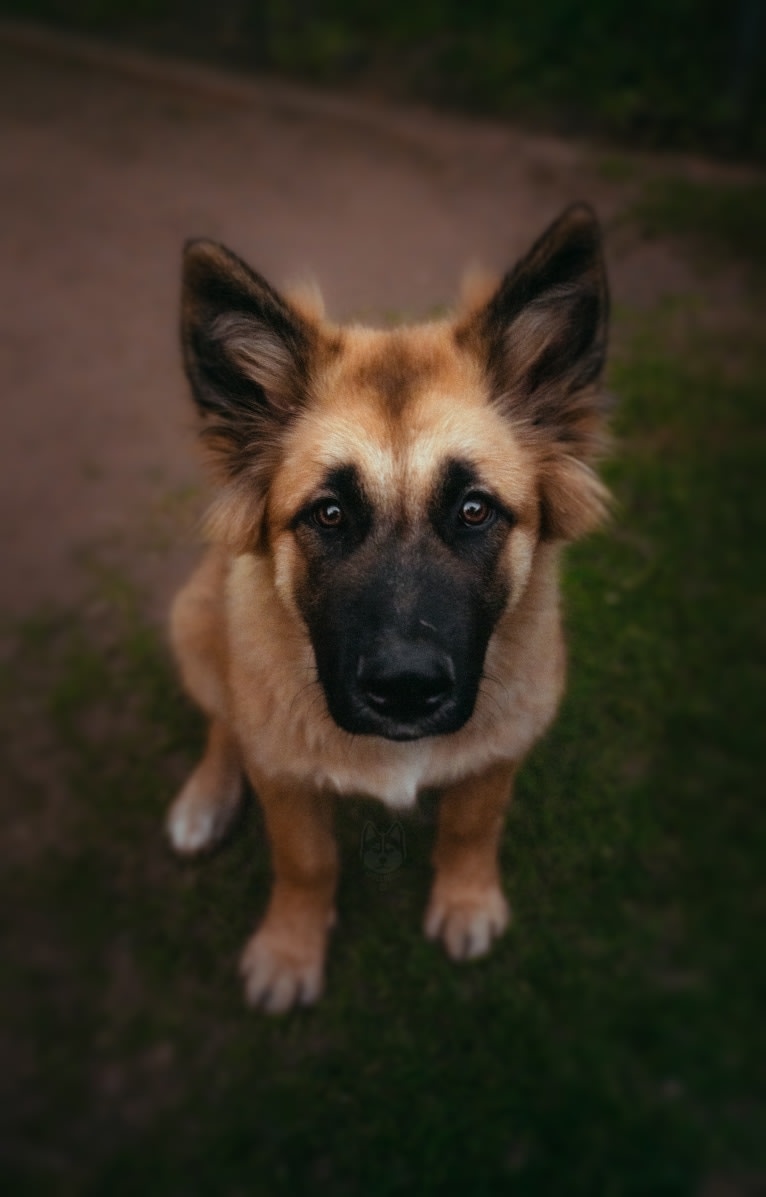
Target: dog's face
{"type": "Point", "coordinates": [401, 519]}
{"type": "Point", "coordinates": [402, 481]}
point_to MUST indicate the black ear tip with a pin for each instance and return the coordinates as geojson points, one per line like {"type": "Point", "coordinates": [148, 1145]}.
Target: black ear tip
{"type": "Point", "coordinates": [193, 246]}
{"type": "Point", "coordinates": [198, 262]}
{"type": "Point", "coordinates": [580, 210]}
{"type": "Point", "coordinates": [579, 220]}
{"type": "Point", "coordinates": [210, 269]}
{"type": "Point", "coordinates": [211, 272]}
{"type": "Point", "coordinates": [201, 254]}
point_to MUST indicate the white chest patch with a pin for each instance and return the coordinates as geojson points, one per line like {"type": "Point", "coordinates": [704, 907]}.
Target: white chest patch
{"type": "Point", "coordinates": [395, 781]}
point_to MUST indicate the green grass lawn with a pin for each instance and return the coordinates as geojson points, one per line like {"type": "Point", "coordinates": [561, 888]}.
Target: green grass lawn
{"type": "Point", "coordinates": [717, 221]}
{"type": "Point", "coordinates": [613, 1044]}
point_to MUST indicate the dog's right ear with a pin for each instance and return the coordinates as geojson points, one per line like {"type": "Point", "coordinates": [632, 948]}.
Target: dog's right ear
{"type": "Point", "coordinates": [247, 354]}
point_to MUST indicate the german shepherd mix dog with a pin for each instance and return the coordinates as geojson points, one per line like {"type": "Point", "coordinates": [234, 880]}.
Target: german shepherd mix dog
{"type": "Point", "coordinates": [378, 612]}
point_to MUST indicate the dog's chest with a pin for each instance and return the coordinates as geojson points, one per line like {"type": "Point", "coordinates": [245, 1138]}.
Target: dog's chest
{"type": "Point", "coordinates": [396, 782]}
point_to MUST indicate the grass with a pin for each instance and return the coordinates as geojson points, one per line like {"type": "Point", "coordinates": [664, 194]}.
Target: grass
{"type": "Point", "coordinates": [612, 1044]}
{"type": "Point", "coordinates": [718, 220]}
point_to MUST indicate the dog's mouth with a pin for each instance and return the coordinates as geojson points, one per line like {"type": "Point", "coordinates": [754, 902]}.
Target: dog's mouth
{"type": "Point", "coordinates": [363, 723]}
{"type": "Point", "coordinates": [361, 720]}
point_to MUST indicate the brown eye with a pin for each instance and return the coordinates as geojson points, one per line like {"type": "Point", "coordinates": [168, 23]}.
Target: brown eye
{"type": "Point", "coordinates": [475, 511]}
{"type": "Point", "coordinates": [328, 514]}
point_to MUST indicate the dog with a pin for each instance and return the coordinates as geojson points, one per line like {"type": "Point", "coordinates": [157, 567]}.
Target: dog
{"type": "Point", "coordinates": [378, 610]}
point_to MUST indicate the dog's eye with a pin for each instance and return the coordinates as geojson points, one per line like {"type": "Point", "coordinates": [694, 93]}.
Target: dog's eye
{"type": "Point", "coordinates": [475, 511]}
{"type": "Point", "coordinates": [328, 514]}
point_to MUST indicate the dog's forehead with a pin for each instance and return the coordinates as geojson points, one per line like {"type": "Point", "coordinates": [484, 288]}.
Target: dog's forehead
{"type": "Point", "coordinates": [397, 406]}
{"type": "Point", "coordinates": [389, 369]}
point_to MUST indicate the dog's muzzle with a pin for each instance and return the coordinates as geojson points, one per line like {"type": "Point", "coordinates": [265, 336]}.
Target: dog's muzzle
{"type": "Point", "coordinates": [404, 689]}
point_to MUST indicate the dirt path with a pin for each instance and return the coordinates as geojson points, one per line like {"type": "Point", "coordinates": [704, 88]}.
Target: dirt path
{"type": "Point", "coordinates": [110, 160]}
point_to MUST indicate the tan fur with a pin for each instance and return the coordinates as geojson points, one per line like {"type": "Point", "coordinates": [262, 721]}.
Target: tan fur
{"type": "Point", "coordinates": [396, 404]}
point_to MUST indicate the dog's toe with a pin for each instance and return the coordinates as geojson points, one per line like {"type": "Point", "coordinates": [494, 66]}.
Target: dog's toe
{"type": "Point", "coordinates": [467, 924]}
{"type": "Point", "coordinates": [190, 830]}
{"type": "Point", "coordinates": [198, 820]}
{"type": "Point", "coordinates": [280, 975]}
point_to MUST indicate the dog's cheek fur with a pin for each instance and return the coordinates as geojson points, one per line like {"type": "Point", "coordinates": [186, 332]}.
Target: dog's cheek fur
{"type": "Point", "coordinates": [289, 572]}
{"type": "Point", "coordinates": [516, 561]}
{"type": "Point", "coordinates": [573, 499]}
{"type": "Point", "coordinates": [236, 518]}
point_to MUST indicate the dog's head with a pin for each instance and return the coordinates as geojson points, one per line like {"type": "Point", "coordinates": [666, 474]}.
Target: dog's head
{"type": "Point", "coordinates": [401, 481]}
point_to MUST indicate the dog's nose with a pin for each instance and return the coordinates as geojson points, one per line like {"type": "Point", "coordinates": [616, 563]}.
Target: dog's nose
{"type": "Point", "coordinates": [405, 680]}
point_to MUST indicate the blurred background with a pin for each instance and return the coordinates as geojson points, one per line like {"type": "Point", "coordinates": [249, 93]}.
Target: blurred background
{"type": "Point", "coordinates": [688, 73]}
{"type": "Point", "coordinates": [614, 1041]}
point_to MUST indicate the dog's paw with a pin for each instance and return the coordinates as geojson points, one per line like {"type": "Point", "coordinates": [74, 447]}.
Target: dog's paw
{"type": "Point", "coordinates": [282, 972]}
{"type": "Point", "coordinates": [466, 923]}
{"type": "Point", "coordinates": [199, 818]}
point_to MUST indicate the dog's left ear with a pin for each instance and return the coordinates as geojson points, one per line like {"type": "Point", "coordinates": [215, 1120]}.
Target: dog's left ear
{"type": "Point", "coordinates": [542, 336]}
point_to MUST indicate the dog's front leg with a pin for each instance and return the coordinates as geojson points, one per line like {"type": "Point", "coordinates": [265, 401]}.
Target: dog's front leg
{"type": "Point", "coordinates": [283, 963]}
{"type": "Point", "coordinates": [467, 908]}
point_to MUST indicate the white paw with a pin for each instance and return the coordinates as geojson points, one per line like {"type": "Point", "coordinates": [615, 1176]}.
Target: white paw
{"type": "Point", "coordinates": [467, 924]}
{"type": "Point", "coordinates": [280, 974]}
{"type": "Point", "coordinates": [199, 819]}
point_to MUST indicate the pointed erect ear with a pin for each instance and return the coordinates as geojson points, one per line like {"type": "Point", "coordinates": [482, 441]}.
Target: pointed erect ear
{"type": "Point", "coordinates": [542, 336]}
{"type": "Point", "coordinates": [544, 330]}
{"type": "Point", "coordinates": [247, 354]}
